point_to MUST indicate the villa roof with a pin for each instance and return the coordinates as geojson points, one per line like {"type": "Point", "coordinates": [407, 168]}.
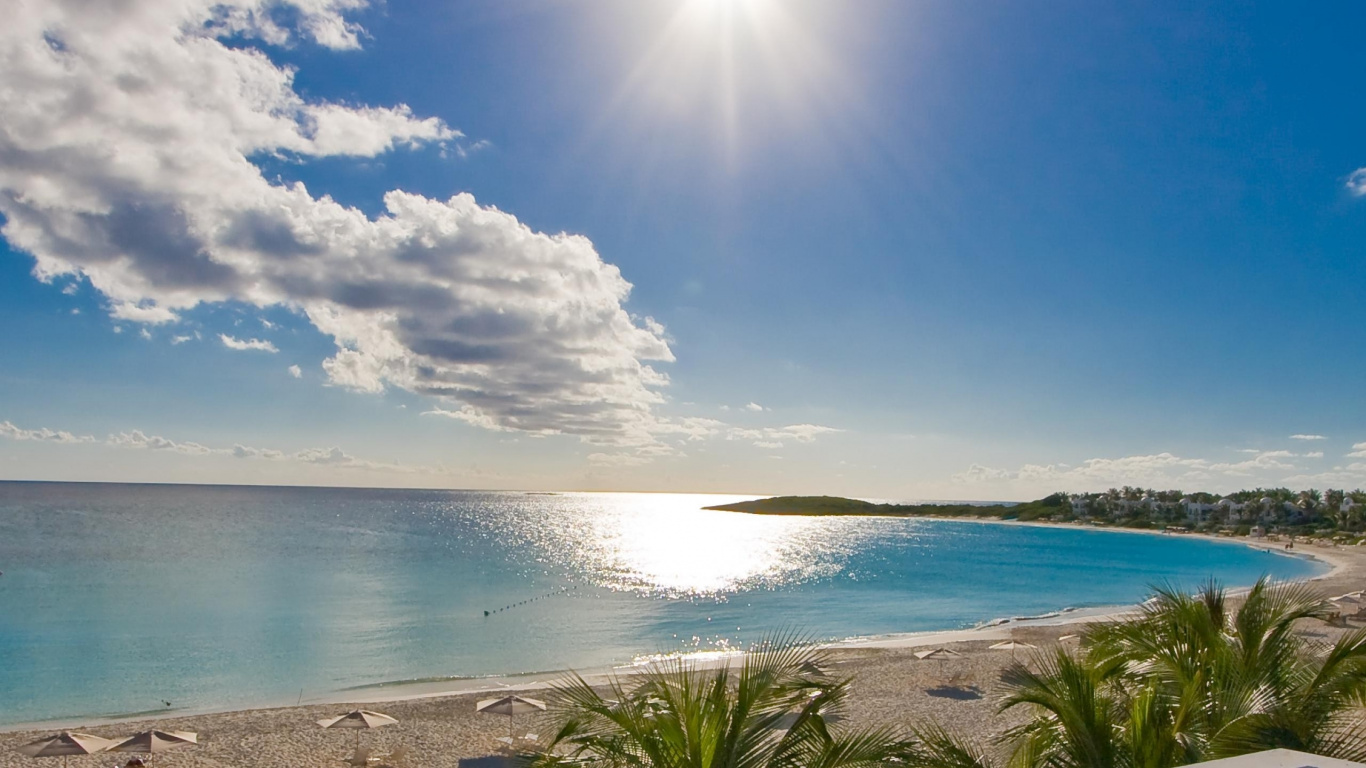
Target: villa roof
{"type": "Point", "coordinates": [1281, 758]}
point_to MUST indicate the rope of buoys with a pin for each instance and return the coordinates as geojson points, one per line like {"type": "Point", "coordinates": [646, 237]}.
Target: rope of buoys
{"type": "Point", "coordinates": [559, 591]}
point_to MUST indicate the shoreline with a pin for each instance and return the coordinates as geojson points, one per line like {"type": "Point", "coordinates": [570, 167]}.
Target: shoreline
{"type": "Point", "coordinates": [1338, 563]}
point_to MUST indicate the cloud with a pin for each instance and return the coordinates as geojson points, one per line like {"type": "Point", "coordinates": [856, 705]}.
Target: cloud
{"type": "Point", "coordinates": [1308, 437]}
{"type": "Point", "coordinates": [680, 430]}
{"type": "Point", "coordinates": [516, 329]}
{"type": "Point", "coordinates": [617, 459]}
{"type": "Point", "coordinates": [1356, 183]}
{"type": "Point", "coordinates": [1161, 469]}
{"type": "Point", "coordinates": [1313, 455]}
{"type": "Point", "coordinates": [296, 371]}
{"type": "Point", "coordinates": [137, 439]}
{"type": "Point", "coordinates": [42, 434]}
{"type": "Point", "coordinates": [244, 452]}
{"type": "Point", "coordinates": [146, 334]}
{"type": "Point", "coordinates": [802, 433]}
{"type": "Point", "coordinates": [753, 406]}
{"type": "Point", "coordinates": [176, 340]}
{"type": "Point", "coordinates": [1358, 451]}
{"type": "Point", "coordinates": [258, 344]}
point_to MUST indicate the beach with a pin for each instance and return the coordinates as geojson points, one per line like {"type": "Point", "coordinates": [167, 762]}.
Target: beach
{"type": "Point", "coordinates": [438, 722]}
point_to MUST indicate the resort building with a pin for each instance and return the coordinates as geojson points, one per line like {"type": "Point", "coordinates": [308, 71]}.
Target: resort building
{"type": "Point", "coordinates": [1196, 511]}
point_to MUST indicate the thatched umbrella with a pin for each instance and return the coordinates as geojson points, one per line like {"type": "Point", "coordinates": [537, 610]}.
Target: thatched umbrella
{"type": "Point", "coordinates": [64, 745]}
{"type": "Point", "coordinates": [1011, 645]}
{"type": "Point", "coordinates": [359, 719]}
{"type": "Point", "coordinates": [155, 742]}
{"type": "Point", "coordinates": [510, 706]}
{"type": "Point", "coordinates": [938, 654]}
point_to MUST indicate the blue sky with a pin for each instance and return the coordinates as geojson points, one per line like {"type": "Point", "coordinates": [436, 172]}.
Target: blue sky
{"type": "Point", "coordinates": [930, 250]}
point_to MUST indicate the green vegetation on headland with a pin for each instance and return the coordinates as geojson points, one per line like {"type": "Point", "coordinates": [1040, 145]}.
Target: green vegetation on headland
{"type": "Point", "coordinates": [1272, 512]}
{"type": "Point", "coordinates": [835, 505]}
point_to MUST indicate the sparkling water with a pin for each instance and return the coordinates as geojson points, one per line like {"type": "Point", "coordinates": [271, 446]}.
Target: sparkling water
{"type": "Point", "coordinates": [117, 598]}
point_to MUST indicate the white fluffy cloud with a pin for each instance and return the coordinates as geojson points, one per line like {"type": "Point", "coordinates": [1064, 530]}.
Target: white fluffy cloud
{"type": "Point", "coordinates": [1356, 183]}
{"type": "Point", "coordinates": [126, 136]}
{"type": "Point", "coordinates": [753, 406]}
{"type": "Point", "coordinates": [1160, 470]}
{"type": "Point", "coordinates": [12, 432]}
{"type": "Point", "coordinates": [774, 437]}
{"type": "Point", "coordinates": [245, 344]}
{"type": "Point", "coordinates": [296, 371]}
{"type": "Point", "coordinates": [1308, 437]}
{"type": "Point", "coordinates": [136, 439]}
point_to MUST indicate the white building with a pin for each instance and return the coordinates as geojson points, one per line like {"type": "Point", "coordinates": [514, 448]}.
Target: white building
{"type": "Point", "coordinates": [1196, 511]}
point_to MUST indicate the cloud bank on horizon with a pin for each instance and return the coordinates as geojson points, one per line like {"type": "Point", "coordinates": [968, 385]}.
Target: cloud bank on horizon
{"type": "Point", "coordinates": [127, 133]}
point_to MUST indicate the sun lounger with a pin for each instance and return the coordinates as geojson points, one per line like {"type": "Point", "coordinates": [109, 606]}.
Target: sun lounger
{"type": "Point", "coordinates": [512, 742]}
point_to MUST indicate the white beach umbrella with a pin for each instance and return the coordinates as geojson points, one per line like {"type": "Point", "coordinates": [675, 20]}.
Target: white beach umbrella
{"type": "Point", "coordinates": [510, 706]}
{"type": "Point", "coordinates": [154, 742]}
{"type": "Point", "coordinates": [65, 745]}
{"type": "Point", "coordinates": [359, 719]}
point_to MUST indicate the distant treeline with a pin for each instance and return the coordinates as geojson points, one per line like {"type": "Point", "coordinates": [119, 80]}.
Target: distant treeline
{"type": "Point", "coordinates": [835, 506]}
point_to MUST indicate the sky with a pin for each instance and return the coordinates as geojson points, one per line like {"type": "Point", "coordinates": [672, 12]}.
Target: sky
{"type": "Point", "coordinates": [895, 250]}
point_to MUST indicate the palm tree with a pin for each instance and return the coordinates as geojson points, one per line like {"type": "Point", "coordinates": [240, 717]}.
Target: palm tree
{"type": "Point", "coordinates": [1189, 679]}
{"type": "Point", "coordinates": [1241, 681]}
{"type": "Point", "coordinates": [770, 712]}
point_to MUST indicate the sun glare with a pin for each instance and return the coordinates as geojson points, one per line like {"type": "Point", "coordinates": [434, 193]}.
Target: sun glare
{"type": "Point", "coordinates": [730, 70]}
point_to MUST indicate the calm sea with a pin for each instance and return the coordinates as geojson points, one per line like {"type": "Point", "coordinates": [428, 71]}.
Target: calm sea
{"type": "Point", "coordinates": [117, 597]}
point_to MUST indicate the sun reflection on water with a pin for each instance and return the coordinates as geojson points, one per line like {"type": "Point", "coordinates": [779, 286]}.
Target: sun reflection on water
{"type": "Point", "coordinates": [667, 545]}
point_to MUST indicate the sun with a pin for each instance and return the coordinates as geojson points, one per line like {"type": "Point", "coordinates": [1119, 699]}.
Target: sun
{"type": "Point", "coordinates": [719, 67]}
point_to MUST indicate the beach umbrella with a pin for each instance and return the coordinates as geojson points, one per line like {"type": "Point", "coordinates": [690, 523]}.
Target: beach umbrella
{"type": "Point", "coordinates": [358, 719]}
{"type": "Point", "coordinates": [939, 654]}
{"type": "Point", "coordinates": [65, 745]}
{"type": "Point", "coordinates": [1011, 645]}
{"type": "Point", "coordinates": [510, 706]}
{"type": "Point", "coordinates": [154, 742]}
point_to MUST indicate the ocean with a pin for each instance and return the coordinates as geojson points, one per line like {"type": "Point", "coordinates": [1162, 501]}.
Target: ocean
{"type": "Point", "coordinates": [117, 599]}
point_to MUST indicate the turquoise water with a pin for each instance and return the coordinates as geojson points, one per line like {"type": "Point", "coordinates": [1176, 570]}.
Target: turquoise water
{"type": "Point", "coordinates": [116, 597]}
